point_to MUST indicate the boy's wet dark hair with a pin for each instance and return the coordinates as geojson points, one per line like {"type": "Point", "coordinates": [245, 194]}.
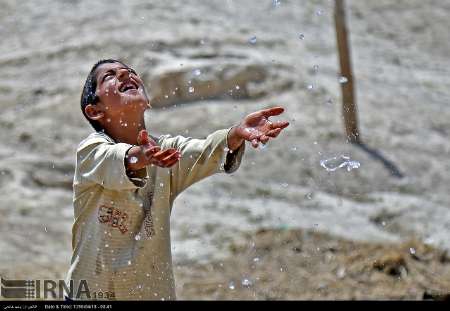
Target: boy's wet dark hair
{"type": "Point", "coordinates": [90, 86]}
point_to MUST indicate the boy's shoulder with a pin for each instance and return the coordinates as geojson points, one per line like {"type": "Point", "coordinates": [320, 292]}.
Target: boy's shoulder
{"type": "Point", "coordinates": [95, 138]}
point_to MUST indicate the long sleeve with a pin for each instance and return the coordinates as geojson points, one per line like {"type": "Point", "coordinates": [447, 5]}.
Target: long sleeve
{"type": "Point", "coordinates": [103, 162]}
{"type": "Point", "coordinates": [201, 158]}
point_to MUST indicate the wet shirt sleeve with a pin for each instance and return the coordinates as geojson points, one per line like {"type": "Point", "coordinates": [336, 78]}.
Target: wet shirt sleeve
{"type": "Point", "coordinates": [102, 162]}
{"type": "Point", "coordinates": [201, 158]}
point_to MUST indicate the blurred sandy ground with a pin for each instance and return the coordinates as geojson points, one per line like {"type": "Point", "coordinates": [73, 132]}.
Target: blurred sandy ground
{"type": "Point", "coordinates": [255, 54]}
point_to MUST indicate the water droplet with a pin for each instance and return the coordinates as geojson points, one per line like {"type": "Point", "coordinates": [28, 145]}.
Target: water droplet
{"type": "Point", "coordinates": [310, 87]}
{"type": "Point", "coordinates": [342, 80]}
{"type": "Point", "coordinates": [231, 285]}
{"type": "Point", "coordinates": [197, 72]}
{"type": "Point", "coordinates": [246, 283]}
{"type": "Point", "coordinates": [191, 89]}
{"type": "Point", "coordinates": [237, 87]}
{"type": "Point", "coordinates": [252, 40]}
{"type": "Point", "coordinates": [45, 229]}
{"type": "Point", "coordinates": [161, 184]}
{"type": "Point", "coordinates": [133, 160]}
{"type": "Point", "coordinates": [294, 148]}
{"type": "Point", "coordinates": [319, 12]}
{"type": "Point", "coordinates": [335, 163]}
{"type": "Point", "coordinates": [340, 273]}
{"type": "Point", "coordinates": [301, 36]}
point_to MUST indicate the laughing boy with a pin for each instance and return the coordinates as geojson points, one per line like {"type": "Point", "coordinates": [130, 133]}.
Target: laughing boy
{"type": "Point", "coordinates": [126, 181]}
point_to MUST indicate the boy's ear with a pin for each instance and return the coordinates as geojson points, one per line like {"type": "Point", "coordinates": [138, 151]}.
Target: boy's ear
{"type": "Point", "coordinates": [94, 112]}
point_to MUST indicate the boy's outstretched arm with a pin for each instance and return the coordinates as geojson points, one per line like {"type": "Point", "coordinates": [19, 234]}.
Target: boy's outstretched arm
{"type": "Point", "coordinates": [256, 128]}
{"type": "Point", "coordinates": [221, 151]}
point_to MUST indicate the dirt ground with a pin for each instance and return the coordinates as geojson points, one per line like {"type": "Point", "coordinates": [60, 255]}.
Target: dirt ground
{"type": "Point", "coordinates": [301, 265]}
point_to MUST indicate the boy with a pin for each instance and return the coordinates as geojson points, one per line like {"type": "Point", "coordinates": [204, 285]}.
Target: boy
{"type": "Point", "coordinates": [126, 181]}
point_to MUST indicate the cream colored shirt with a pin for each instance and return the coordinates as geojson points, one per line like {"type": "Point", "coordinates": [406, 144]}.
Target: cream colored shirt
{"type": "Point", "coordinates": [121, 233]}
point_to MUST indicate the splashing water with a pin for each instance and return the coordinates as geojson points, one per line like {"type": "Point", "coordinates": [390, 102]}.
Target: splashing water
{"type": "Point", "coordinates": [133, 160]}
{"type": "Point", "coordinates": [231, 286]}
{"type": "Point", "coordinates": [343, 80]}
{"type": "Point", "coordinates": [246, 283]}
{"type": "Point", "coordinates": [335, 163]}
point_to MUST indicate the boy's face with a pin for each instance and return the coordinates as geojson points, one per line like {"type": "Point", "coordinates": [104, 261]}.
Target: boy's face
{"type": "Point", "coordinates": [121, 92]}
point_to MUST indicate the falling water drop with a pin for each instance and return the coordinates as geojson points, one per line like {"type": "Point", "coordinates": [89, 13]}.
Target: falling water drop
{"type": "Point", "coordinates": [342, 80]}
{"type": "Point", "coordinates": [231, 285]}
{"type": "Point", "coordinates": [133, 160]}
{"type": "Point", "coordinates": [335, 163]}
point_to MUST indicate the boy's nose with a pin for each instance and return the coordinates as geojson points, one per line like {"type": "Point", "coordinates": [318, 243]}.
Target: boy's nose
{"type": "Point", "coordinates": [123, 73]}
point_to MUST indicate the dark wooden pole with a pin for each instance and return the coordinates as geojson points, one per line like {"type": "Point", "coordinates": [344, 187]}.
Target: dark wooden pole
{"type": "Point", "coordinates": [346, 80]}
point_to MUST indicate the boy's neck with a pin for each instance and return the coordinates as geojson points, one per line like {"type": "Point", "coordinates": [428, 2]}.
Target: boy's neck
{"type": "Point", "coordinates": [125, 130]}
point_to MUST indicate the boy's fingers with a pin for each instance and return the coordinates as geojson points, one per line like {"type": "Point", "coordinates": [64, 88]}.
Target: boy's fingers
{"type": "Point", "coordinates": [170, 157]}
{"type": "Point", "coordinates": [255, 143]}
{"type": "Point", "coordinates": [142, 138]}
{"type": "Point", "coordinates": [272, 111]}
{"type": "Point", "coordinates": [164, 153]}
{"type": "Point", "coordinates": [151, 151]}
{"type": "Point", "coordinates": [254, 136]}
{"type": "Point", "coordinates": [264, 139]}
{"type": "Point", "coordinates": [273, 133]}
{"type": "Point", "coordinates": [280, 124]}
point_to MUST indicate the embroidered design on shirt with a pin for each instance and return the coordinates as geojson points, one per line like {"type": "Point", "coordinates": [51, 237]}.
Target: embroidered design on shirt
{"type": "Point", "coordinates": [148, 218]}
{"type": "Point", "coordinates": [113, 217]}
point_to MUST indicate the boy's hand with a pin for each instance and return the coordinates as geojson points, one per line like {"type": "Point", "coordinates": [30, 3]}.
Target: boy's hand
{"type": "Point", "coordinates": [148, 152]}
{"type": "Point", "coordinates": [257, 128]}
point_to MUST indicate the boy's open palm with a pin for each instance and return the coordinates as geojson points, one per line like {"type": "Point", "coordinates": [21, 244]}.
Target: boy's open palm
{"type": "Point", "coordinates": [148, 152]}
{"type": "Point", "coordinates": [256, 127]}
{"type": "Point", "coordinates": [153, 154]}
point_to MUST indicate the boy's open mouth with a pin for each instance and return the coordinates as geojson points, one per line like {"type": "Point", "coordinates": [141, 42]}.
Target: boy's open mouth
{"type": "Point", "coordinates": [128, 85]}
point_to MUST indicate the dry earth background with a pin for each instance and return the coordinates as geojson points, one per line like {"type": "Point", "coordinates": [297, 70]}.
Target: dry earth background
{"type": "Point", "coordinates": [281, 227]}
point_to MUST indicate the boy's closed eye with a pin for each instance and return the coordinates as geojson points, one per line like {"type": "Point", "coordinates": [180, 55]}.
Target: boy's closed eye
{"type": "Point", "coordinates": [112, 72]}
